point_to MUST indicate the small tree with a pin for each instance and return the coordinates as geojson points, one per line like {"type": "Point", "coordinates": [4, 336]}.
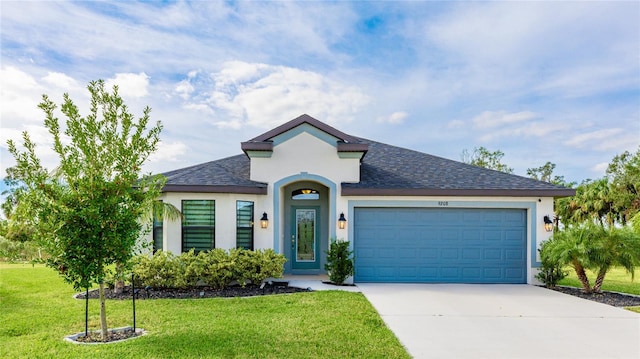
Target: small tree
{"type": "Point", "coordinates": [87, 211]}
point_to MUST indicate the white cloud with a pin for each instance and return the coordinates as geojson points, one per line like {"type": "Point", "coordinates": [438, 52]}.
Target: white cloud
{"type": "Point", "coordinates": [261, 95]}
{"type": "Point", "coordinates": [600, 167]}
{"type": "Point", "coordinates": [184, 89]}
{"type": "Point", "coordinates": [602, 140]}
{"type": "Point", "coordinates": [20, 94]}
{"type": "Point", "coordinates": [130, 85]}
{"type": "Point", "coordinates": [62, 81]}
{"type": "Point", "coordinates": [168, 152]}
{"type": "Point", "coordinates": [490, 119]}
{"type": "Point", "coordinates": [395, 118]}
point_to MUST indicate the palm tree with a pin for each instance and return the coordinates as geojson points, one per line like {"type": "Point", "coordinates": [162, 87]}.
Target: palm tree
{"type": "Point", "coordinates": [615, 247]}
{"type": "Point", "coordinates": [571, 246]}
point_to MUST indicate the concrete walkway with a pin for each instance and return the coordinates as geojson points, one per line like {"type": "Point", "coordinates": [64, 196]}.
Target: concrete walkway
{"type": "Point", "coordinates": [503, 321]}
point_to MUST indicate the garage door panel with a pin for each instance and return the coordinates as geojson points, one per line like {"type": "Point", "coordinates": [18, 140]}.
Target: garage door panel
{"type": "Point", "coordinates": [513, 255]}
{"type": "Point", "coordinates": [440, 245]}
{"type": "Point", "coordinates": [471, 254]}
{"type": "Point", "coordinates": [491, 254]}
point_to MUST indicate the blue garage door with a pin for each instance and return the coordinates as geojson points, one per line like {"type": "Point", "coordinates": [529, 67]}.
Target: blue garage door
{"type": "Point", "coordinates": [435, 245]}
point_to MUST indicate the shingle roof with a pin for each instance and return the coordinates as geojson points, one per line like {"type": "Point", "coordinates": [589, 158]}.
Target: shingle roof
{"type": "Point", "coordinates": [385, 170]}
{"type": "Point", "coordinates": [391, 170]}
{"type": "Point", "coordinates": [228, 175]}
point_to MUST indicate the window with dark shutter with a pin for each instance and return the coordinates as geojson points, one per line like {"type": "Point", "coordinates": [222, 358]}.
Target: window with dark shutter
{"type": "Point", "coordinates": [198, 225]}
{"type": "Point", "coordinates": [244, 225]}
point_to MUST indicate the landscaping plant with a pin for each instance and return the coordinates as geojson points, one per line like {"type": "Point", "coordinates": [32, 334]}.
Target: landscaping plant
{"type": "Point", "coordinates": [339, 262]}
{"type": "Point", "coordinates": [86, 211]}
{"type": "Point", "coordinates": [551, 271]}
{"type": "Point", "coordinates": [590, 246]}
{"type": "Point", "coordinates": [216, 268]}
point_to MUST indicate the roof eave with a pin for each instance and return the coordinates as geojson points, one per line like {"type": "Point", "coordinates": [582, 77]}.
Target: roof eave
{"type": "Point", "coordinates": [350, 191]}
{"type": "Point", "coordinates": [215, 189]}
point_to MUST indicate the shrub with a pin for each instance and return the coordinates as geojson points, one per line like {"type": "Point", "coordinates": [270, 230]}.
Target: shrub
{"type": "Point", "coordinates": [551, 270]}
{"type": "Point", "coordinates": [216, 268]}
{"type": "Point", "coordinates": [339, 262]}
{"type": "Point", "coordinates": [162, 270]}
{"type": "Point", "coordinates": [219, 268]}
{"type": "Point", "coordinates": [256, 266]}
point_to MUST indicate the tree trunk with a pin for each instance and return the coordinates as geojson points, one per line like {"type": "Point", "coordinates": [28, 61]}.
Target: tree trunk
{"type": "Point", "coordinates": [600, 279]}
{"type": "Point", "coordinates": [103, 314]}
{"type": "Point", "coordinates": [582, 276]}
{"type": "Point", "coordinates": [118, 285]}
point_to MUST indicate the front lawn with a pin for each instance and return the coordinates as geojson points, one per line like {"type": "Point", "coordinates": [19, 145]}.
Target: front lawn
{"type": "Point", "coordinates": [36, 311]}
{"type": "Point", "coordinates": [616, 280]}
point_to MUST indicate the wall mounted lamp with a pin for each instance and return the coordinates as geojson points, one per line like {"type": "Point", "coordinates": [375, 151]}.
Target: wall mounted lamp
{"type": "Point", "coordinates": [342, 222]}
{"type": "Point", "coordinates": [548, 224]}
{"type": "Point", "coordinates": [264, 221]}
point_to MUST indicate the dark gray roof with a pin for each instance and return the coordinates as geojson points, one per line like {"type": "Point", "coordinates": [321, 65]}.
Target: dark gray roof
{"type": "Point", "coordinates": [391, 170]}
{"type": "Point", "coordinates": [228, 175]}
{"type": "Point", "coordinates": [385, 170]}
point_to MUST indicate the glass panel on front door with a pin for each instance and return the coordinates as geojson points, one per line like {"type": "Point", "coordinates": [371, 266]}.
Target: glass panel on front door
{"type": "Point", "coordinates": [305, 235]}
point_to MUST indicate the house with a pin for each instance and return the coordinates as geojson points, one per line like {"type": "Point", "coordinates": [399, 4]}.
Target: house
{"type": "Point", "coordinates": [409, 216]}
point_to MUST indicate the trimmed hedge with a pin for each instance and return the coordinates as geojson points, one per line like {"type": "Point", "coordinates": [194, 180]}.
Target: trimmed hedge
{"type": "Point", "coordinates": [216, 268]}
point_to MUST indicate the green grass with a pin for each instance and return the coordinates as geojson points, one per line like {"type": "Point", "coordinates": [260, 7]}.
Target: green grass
{"type": "Point", "coordinates": [616, 280]}
{"type": "Point", "coordinates": [37, 311]}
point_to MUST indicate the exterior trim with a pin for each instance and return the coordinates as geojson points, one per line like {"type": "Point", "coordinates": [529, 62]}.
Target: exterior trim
{"type": "Point", "coordinates": [256, 146]}
{"type": "Point", "coordinates": [351, 191]}
{"type": "Point", "coordinates": [278, 210]}
{"type": "Point", "coordinates": [258, 154]}
{"type": "Point", "coordinates": [215, 189]}
{"type": "Point", "coordinates": [298, 121]}
{"type": "Point", "coordinates": [352, 147]}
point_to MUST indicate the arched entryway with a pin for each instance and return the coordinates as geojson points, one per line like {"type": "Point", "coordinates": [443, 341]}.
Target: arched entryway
{"type": "Point", "coordinates": [305, 226]}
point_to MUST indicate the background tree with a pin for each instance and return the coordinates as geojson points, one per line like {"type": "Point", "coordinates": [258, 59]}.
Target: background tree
{"type": "Point", "coordinates": [624, 175]}
{"type": "Point", "coordinates": [86, 212]}
{"type": "Point", "coordinates": [482, 157]}
{"type": "Point", "coordinates": [545, 173]}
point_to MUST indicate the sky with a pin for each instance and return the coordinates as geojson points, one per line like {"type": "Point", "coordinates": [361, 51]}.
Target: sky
{"type": "Point", "coordinates": [539, 81]}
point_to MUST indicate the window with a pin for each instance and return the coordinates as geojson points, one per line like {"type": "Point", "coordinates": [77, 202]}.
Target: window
{"type": "Point", "coordinates": [198, 225]}
{"type": "Point", "coordinates": [157, 228]}
{"type": "Point", "coordinates": [244, 224]}
{"type": "Point", "coordinates": [302, 194]}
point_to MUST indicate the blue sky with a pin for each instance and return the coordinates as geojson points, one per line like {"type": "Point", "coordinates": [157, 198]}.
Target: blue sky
{"type": "Point", "coordinates": [540, 81]}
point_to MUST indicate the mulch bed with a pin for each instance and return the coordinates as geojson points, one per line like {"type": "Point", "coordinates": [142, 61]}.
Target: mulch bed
{"type": "Point", "coordinates": [200, 292]}
{"type": "Point", "coordinates": [112, 336]}
{"type": "Point", "coordinates": [610, 298]}
{"type": "Point", "coordinates": [171, 293]}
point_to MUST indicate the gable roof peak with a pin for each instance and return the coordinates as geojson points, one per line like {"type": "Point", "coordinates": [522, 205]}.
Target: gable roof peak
{"type": "Point", "coordinates": [302, 119]}
{"type": "Point", "coordinates": [264, 142]}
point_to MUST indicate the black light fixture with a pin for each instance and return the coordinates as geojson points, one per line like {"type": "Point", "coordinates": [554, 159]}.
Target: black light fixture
{"type": "Point", "coordinates": [264, 221]}
{"type": "Point", "coordinates": [548, 224]}
{"type": "Point", "coordinates": [342, 222]}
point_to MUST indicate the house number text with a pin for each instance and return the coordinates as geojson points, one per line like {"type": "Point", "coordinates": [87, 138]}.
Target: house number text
{"type": "Point", "coordinates": [443, 203]}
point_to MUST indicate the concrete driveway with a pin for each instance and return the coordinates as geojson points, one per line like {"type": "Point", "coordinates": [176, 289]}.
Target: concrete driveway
{"type": "Point", "coordinates": [503, 321]}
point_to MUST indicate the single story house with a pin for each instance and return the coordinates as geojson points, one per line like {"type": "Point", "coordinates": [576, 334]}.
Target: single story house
{"type": "Point", "coordinates": [409, 216]}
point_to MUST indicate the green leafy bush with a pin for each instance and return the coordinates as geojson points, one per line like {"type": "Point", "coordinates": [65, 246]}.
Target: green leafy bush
{"type": "Point", "coordinates": [551, 272]}
{"type": "Point", "coordinates": [339, 262]}
{"type": "Point", "coordinates": [162, 270]}
{"type": "Point", "coordinates": [216, 268]}
{"type": "Point", "coordinates": [256, 266]}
